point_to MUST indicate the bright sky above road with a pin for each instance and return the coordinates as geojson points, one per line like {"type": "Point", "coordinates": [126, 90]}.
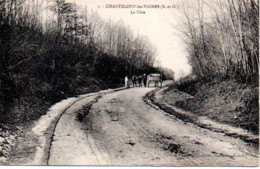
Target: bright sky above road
{"type": "Point", "coordinates": [157, 24]}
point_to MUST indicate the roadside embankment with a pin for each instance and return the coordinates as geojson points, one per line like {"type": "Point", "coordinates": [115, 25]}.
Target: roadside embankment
{"type": "Point", "coordinates": [208, 108]}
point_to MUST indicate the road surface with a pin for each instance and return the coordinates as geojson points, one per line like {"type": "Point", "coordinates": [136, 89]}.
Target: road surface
{"type": "Point", "coordinates": [121, 129]}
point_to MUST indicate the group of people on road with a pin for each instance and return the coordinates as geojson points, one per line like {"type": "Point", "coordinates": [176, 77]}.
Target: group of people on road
{"type": "Point", "coordinates": [137, 81]}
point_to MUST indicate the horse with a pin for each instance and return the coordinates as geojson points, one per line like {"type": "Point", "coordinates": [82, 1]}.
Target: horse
{"type": "Point", "coordinates": [140, 79]}
{"type": "Point", "coordinates": [134, 80]}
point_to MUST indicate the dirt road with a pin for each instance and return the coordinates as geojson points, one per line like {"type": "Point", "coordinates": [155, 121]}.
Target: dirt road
{"type": "Point", "coordinates": [121, 129]}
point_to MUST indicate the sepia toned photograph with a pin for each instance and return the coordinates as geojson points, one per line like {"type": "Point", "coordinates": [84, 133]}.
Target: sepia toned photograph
{"type": "Point", "coordinates": [169, 83]}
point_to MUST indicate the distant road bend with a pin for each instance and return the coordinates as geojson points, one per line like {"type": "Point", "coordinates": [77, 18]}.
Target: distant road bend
{"type": "Point", "coordinates": [121, 129]}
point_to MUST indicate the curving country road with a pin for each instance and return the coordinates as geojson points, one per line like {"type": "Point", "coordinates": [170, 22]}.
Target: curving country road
{"type": "Point", "coordinates": [121, 129]}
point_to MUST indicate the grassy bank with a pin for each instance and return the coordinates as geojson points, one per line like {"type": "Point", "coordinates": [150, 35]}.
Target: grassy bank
{"type": "Point", "coordinates": [226, 101]}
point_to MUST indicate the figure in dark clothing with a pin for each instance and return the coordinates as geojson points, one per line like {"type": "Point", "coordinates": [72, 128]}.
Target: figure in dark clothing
{"type": "Point", "coordinates": [140, 79]}
{"type": "Point", "coordinates": [145, 80]}
{"type": "Point", "coordinates": [134, 80]}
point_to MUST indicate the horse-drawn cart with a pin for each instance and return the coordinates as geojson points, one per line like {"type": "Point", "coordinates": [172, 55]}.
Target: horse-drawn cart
{"type": "Point", "coordinates": [156, 78]}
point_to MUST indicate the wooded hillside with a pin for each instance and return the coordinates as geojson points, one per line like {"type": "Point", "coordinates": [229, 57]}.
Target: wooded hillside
{"type": "Point", "coordinates": [222, 38]}
{"type": "Point", "coordinates": [54, 49]}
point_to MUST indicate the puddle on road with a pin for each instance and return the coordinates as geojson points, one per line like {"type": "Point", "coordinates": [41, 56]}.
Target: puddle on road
{"type": "Point", "coordinates": [174, 148]}
{"type": "Point", "coordinates": [114, 100]}
{"type": "Point", "coordinates": [113, 115]}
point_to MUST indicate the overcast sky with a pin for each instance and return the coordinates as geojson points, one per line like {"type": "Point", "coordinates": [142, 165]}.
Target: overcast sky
{"type": "Point", "coordinates": [157, 24]}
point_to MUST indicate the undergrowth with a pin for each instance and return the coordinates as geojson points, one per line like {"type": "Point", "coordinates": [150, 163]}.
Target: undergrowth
{"type": "Point", "coordinates": [224, 100]}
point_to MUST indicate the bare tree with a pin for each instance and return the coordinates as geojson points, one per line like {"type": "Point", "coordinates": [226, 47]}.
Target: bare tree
{"type": "Point", "coordinates": [224, 42]}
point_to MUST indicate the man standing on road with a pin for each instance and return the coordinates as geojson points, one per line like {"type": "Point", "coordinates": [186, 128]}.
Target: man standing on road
{"type": "Point", "coordinates": [126, 82]}
{"type": "Point", "coordinates": [145, 79]}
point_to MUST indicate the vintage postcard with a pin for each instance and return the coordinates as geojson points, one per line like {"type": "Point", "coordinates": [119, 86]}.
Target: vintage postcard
{"type": "Point", "coordinates": [129, 83]}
